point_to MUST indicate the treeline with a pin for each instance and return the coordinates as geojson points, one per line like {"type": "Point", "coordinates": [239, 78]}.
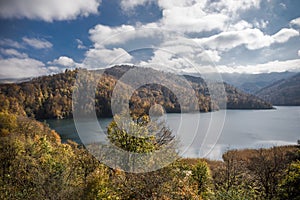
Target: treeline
{"type": "Point", "coordinates": [258, 174]}
{"type": "Point", "coordinates": [34, 164]}
{"type": "Point", "coordinates": [51, 96]}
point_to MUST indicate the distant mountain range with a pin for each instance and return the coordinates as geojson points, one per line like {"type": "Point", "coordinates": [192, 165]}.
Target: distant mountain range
{"type": "Point", "coordinates": [283, 92]}
{"type": "Point", "coordinates": [51, 96]}
{"type": "Point", "coordinates": [14, 80]}
{"type": "Point", "coordinates": [252, 83]}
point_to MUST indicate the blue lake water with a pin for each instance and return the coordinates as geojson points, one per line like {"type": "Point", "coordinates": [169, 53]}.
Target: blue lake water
{"type": "Point", "coordinates": [210, 134]}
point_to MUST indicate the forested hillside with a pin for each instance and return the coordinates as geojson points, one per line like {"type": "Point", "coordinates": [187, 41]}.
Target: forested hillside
{"type": "Point", "coordinates": [283, 92]}
{"type": "Point", "coordinates": [51, 96]}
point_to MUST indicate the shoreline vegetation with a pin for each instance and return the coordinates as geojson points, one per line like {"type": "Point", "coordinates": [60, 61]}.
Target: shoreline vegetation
{"type": "Point", "coordinates": [35, 164]}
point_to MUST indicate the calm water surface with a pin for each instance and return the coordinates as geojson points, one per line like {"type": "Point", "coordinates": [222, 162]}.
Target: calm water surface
{"type": "Point", "coordinates": [241, 129]}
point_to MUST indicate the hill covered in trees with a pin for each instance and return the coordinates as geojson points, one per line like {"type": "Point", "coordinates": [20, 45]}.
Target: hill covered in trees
{"type": "Point", "coordinates": [51, 96]}
{"type": "Point", "coordinates": [283, 92]}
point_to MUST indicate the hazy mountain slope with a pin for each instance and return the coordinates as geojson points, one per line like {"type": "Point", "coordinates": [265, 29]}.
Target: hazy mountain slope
{"type": "Point", "coordinates": [283, 92]}
{"type": "Point", "coordinates": [51, 96]}
{"type": "Point", "coordinates": [252, 83]}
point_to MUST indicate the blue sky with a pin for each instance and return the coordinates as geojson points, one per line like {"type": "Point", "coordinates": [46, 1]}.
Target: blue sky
{"type": "Point", "coordinates": [39, 37]}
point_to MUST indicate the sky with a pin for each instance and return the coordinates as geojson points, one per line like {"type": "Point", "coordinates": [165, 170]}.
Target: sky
{"type": "Point", "coordinates": [39, 37]}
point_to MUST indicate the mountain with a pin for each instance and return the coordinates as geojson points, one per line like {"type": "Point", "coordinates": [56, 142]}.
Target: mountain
{"type": "Point", "coordinates": [252, 83]}
{"type": "Point", "coordinates": [51, 96]}
{"type": "Point", "coordinates": [283, 92]}
{"type": "Point", "coordinates": [14, 80]}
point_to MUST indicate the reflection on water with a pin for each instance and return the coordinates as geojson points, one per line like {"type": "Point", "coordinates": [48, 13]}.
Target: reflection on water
{"type": "Point", "coordinates": [242, 129]}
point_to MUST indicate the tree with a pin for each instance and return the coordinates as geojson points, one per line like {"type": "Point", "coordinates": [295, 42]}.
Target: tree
{"type": "Point", "coordinates": [137, 136]}
{"type": "Point", "coordinates": [141, 137]}
{"type": "Point", "coordinates": [267, 168]}
{"type": "Point", "coordinates": [36, 165]}
{"type": "Point", "coordinates": [8, 123]}
{"type": "Point", "coordinates": [202, 177]}
{"type": "Point", "coordinates": [290, 185]}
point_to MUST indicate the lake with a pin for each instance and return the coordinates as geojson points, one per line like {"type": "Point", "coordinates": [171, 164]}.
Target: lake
{"type": "Point", "coordinates": [210, 134]}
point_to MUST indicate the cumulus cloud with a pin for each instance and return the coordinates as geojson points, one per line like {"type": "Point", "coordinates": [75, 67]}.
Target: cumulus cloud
{"type": "Point", "coordinates": [63, 61]}
{"type": "Point", "coordinates": [48, 10]}
{"type": "Point", "coordinates": [13, 53]}
{"type": "Point", "coordinates": [108, 40]}
{"type": "Point", "coordinates": [168, 61]}
{"type": "Point", "coordinates": [234, 7]}
{"type": "Point", "coordinates": [37, 43]}
{"type": "Point", "coordinates": [284, 35]}
{"type": "Point", "coordinates": [103, 35]}
{"type": "Point", "coordinates": [21, 68]}
{"type": "Point", "coordinates": [101, 58]}
{"type": "Point", "coordinates": [54, 69]}
{"type": "Point", "coordinates": [197, 15]}
{"type": "Point", "coordinates": [272, 66]}
{"type": "Point", "coordinates": [295, 22]}
{"type": "Point", "coordinates": [193, 19]}
{"type": "Point", "coordinates": [252, 38]}
{"type": "Point", "coordinates": [210, 56]}
{"type": "Point", "coordinates": [240, 25]}
{"type": "Point", "coordinates": [219, 20]}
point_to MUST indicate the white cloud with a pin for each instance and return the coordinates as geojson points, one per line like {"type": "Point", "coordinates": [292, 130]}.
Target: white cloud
{"type": "Point", "coordinates": [240, 25]}
{"type": "Point", "coordinates": [48, 10]}
{"type": "Point", "coordinates": [103, 35]}
{"type": "Point", "coordinates": [100, 58]}
{"type": "Point", "coordinates": [233, 6]}
{"type": "Point", "coordinates": [126, 35]}
{"type": "Point", "coordinates": [10, 43]}
{"type": "Point", "coordinates": [210, 56]}
{"type": "Point", "coordinates": [284, 35]}
{"type": "Point", "coordinates": [261, 24]}
{"type": "Point", "coordinates": [184, 16]}
{"type": "Point", "coordinates": [252, 38]}
{"type": "Point", "coordinates": [224, 6]}
{"type": "Point", "coordinates": [21, 68]}
{"type": "Point", "coordinates": [283, 5]}
{"type": "Point", "coordinates": [295, 22]}
{"type": "Point", "coordinates": [127, 5]}
{"type": "Point", "coordinates": [37, 43]}
{"type": "Point", "coordinates": [272, 66]}
{"type": "Point", "coordinates": [80, 44]}
{"type": "Point", "coordinates": [54, 69]}
{"type": "Point", "coordinates": [298, 52]}
{"type": "Point", "coordinates": [63, 61]}
{"type": "Point", "coordinates": [197, 15]}
{"type": "Point", "coordinates": [166, 4]}
{"type": "Point", "coordinates": [13, 53]}
{"type": "Point", "coordinates": [192, 19]}
{"type": "Point", "coordinates": [167, 61]}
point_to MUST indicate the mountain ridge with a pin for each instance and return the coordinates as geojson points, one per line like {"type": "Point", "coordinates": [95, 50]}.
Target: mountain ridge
{"type": "Point", "coordinates": [283, 92]}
